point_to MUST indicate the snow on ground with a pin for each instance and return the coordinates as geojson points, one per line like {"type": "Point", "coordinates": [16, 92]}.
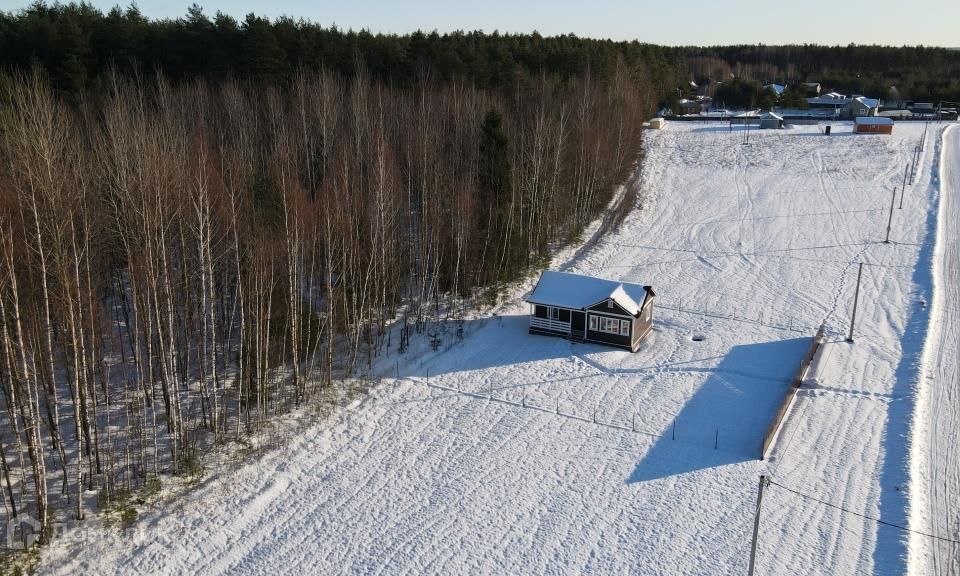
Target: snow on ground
{"type": "Point", "coordinates": [487, 459]}
{"type": "Point", "coordinates": [935, 456]}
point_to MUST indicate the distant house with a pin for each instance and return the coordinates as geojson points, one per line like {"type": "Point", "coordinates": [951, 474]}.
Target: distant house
{"type": "Point", "coordinates": [697, 106]}
{"type": "Point", "coordinates": [771, 120]}
{"type": "Point", "coordinates": [847, 107]}
{"type": "Point", "coordinates": [861, 106]}
{"type": "Point", "coordinates": [812, 88]}
{"type": "Point", "coordinates": [872, 125]}
{"type": "Point", "coordinates": [657, 123]}
{"type": "Point", "coordinates": [691, 106]}
{"type": "Point", "coordinates": [588, 309]}
{"type": "Point", "coordinates": [775, 89]}
{"type": "Point", "coordinates": [748, 118]}
{"type": "Point", "coordinates": [831, 100]}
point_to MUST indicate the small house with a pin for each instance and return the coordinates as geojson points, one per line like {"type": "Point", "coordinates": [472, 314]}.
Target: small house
{"type": "Point", "coordinates": [690, 106]}
{"type": "Point", "coordinates": [861, 106]}
{"type": "Point", "coordinates": [775, 89]}
{"type": "Point", "coordinates": [588, 309]}
{"type": "Point", "coordinates": [873, 125]}
{"type": "Point", "coordinates": [831, 100]}
{"type": "Point", "coordinates": [751, 117]}
{"type": "Point", "coordinates": [657, 123]}
{"type": "Point", "coordinates": [812, 88]}
{"type": "Point", "coordinates": [771, 120]}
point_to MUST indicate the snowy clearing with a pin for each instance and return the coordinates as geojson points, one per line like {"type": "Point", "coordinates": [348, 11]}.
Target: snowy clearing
{"type": "Point", "coordinates": [750, 247]}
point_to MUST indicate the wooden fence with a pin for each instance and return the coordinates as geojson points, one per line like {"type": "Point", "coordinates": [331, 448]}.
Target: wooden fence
{"type": "Point", "coordinates": [781, 414]}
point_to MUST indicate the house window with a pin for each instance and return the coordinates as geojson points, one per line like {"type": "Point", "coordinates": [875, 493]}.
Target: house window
{"type": "Point", "coordinates": [554, 313]}
{"type": "Point", "coordinates": [610, 304]}
{"type": "Point", "coordinates": [610, 325]}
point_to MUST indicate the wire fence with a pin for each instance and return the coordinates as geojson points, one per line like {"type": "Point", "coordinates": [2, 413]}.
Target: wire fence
{"type": "Point", "coordinates": [599, 414]}
{"type": "Point", "coordinates": [787, 401]}
{"type": "Point", "coordinates": [847, 510]}
{"type": "Point", "coordinates": [757, 317]}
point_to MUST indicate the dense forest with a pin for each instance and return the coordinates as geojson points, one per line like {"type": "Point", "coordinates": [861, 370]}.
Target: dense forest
{"type": "Point", "coordinates": [188, 252]}
{"type": "Point", "coordinates": [206, 222]}
{"type": "Point", "coordinates": [77, 43]}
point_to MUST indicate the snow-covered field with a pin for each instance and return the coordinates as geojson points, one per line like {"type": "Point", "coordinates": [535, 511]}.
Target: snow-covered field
{"type": "Point", "coordinates": [487, 459]}
{"type": "Point", "coordinates": [935, 452]}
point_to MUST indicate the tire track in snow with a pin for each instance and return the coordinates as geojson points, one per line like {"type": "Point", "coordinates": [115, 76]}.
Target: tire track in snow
{"type": "Point", "coordinates": [938, 471]}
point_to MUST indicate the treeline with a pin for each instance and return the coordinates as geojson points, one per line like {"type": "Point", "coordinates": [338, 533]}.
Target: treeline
{"type": "Point", "coordinates": [739, 93]}
{"type": "Point", "coordinates": [205, 222]}
{"type": "Point", "coordinates": [77, 43]}
{"type": "Point", "coordinates": [917, 73]}
{"type": "Point", "coordinates": [181, 261]}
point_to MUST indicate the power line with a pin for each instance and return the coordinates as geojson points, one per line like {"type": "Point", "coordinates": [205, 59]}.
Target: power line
{"type": "Point", "coordinates": [864, 516]}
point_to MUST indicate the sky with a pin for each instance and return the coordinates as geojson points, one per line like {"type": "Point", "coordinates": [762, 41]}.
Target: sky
{"type": "Point", "coordinates": [670, 22]}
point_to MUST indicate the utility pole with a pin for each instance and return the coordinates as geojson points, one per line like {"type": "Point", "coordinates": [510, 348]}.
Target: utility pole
{"type": "Point", "coordinates": [903, 187]}
{"type": "Point", "coordinates": [856, 298]}
{"type": "Point", "coordinates": [916, 161]}
{"type": "Point", "coordinates": [916, 166]}
{"type": "Point", "coordinates": [893, 200]}
{"type": "Point", "coordinates": [756, 525]}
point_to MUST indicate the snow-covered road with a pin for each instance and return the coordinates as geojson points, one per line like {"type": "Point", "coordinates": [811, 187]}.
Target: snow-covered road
{"type": "Point", "coordinates": [937, 449]}
{"type": "Point", "coordinates": [751, 247]}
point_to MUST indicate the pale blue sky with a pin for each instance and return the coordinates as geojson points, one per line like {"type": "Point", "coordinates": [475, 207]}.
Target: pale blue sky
{"type": "Point", "coordinates": [673, 22]}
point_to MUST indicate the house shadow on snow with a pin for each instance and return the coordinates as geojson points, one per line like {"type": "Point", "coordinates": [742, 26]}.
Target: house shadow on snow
{"type": "Point", "coordinates": [730, 410]}
{"type": "Point", "coordinates": [490, 342]}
